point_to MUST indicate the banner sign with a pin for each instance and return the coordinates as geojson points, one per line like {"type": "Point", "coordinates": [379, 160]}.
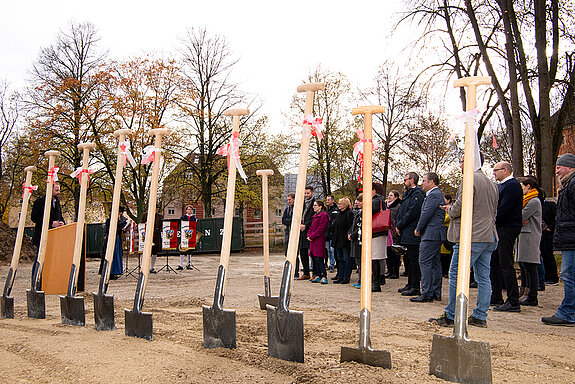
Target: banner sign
{"type": "Point", "coordinates": [169, 235]}
{"type": "Point", "coordinates": [141, 237]}
{"type": "Point", "coordinates": [188, 234]}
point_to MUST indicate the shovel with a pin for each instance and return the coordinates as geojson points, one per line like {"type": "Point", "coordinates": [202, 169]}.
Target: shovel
{"type": "Point", "coordinates": [285, 327]}
{"type": "Point", "coordinates": [104, 304]}
{"type": "Point", "coordinates": [219, 323]}
{"type": "Point", "coordinates": [364, 353]}
{"type": "Point", "coordinates": [71, 306]}
{"type": "Point", "coordinates": [138, 323]}
{"type": "Point", "coordinates": [35, 299]}
{"type": "Point", "coordinates": [267, 297]}
{"type": "Point", "coordinates": [457, 358]}
{"type": "Point", "coordinates": [7, 302]}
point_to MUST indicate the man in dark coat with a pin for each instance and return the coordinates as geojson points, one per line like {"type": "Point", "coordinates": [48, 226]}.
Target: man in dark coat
{"type": "Point", "coordinates": [407, 220]}
{"type": "Point", "coordinates": [431, 230]}
{"type": "Point", "coordinates": [509, 221]}
{"type": "Point", "coordinates": [286, 220]}
{"type": "Point", "coordinates": [332, 211]}
{"type": "Point", "coordinates": [37, 215]}
{"type": "Point", "coordinates": [306, 219]}
{"type": "Point", "coordinates": [564, 240]}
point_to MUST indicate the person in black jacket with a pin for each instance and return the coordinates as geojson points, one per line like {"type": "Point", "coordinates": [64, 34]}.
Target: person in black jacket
{"type": "Point", "coordinates": [354, 235]}
{"type": "Point", "coordinates": [407, 219]}
{"type": "Point", "coordinates": [564, 240]}
{"type": "Point", "coordinates": [286, 220]}
{"type": "Point", "coordinates": [306, 220]}
{"type": "Point", "coordinates": [332, 210]}
{"type": "Point", "coordinates": [340, 241]}
{"type": "Point", "coordinates": [37, 214]}
{"type": "Point", "coordinates": [546, 247]}
{"type": "Point", "coordinates": [393, 255]}
{"type": "Point", "coordinates": [508, 221]}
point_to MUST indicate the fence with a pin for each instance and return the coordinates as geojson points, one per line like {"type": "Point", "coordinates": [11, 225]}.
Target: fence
{"type": "Point", "coordinates": [254, 233]}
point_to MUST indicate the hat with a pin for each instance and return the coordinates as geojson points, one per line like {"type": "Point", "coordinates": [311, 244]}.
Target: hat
{"type": "Point", "coordinates": [567, 160]}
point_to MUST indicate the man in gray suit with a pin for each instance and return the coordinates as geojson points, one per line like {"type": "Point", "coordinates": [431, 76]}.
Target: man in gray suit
{"type": "Point", "coordinates": [483, 243]}
{"type": "Point", "coordinates": [431, 229]}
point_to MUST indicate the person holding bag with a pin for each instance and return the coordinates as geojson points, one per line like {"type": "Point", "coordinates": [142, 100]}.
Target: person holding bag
{"type": "Point", "coordinates": [380, 224]}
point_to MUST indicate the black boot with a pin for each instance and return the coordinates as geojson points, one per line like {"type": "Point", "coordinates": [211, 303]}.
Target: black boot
{"type": "Point", "coordinates": [375, 276]}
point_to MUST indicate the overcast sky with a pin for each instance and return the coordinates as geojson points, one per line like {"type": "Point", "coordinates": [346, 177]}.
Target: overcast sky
{"type": "Point", "coordinates": [277, 42]}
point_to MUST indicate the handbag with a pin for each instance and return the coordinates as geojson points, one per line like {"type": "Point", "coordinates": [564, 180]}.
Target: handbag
{"type": "Point", "coordinates": [381, 221]}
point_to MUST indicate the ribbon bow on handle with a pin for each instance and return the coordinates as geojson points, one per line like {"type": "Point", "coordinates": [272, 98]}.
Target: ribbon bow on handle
{"type": "Point", "coordinates": [358, 148]}
{"type": "Point", "coordinates": [52, 175]}
{"type": "Point", "coordinates": [315, 125]}
{"type": "Point", "coordinates": [232, 149]}
{"type": "Point", "coordinates": [125, 150]}
{"type": "Point", "coordinates": [470, 117]}
{"type": "Point", "coordinates": [29, 188]}
{"type": "Point", "coordinates": [80, 171]}
{"type": "Point", "coordinates": [149, 154]}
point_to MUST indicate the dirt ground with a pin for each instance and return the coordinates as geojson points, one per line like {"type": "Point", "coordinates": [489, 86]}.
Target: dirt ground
{"type": "Point", "coordinates": [45, 351]}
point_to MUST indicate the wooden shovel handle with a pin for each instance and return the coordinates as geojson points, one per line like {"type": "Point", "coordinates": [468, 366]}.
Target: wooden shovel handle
{"type": "Point", "coordinates": [230, 194]}
{"type": "Point", "coordinates": [47, 208]}
{"type": "Point", "coordinates": [366, 218]}
{"type": "Point", "coordinates": [85, 147]}
{"type": "Point", "coordinates": [264, 173]}
{"type": "Point", "coordinates": [22, 221]}
{"type": "Point", "coordinates": [113, 228]}
{"type": "Point", "coordinates": [301, 177]}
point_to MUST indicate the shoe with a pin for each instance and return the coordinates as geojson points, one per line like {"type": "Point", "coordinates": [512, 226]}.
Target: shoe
{"type": "Point", "coordinates": [473, 284]}
{"type": "Point", "coordinates": [421, 299]}
{"type": "Point", "coordinates": [335, 278]}
{"type": "Point", "coordinates": [411, 292]}
{"type": "Point", "coordinates": [507, 307]}
{"type": "Point", "coordinates": [189, 266]}
{"type": "Point", "coordinates": [472, 320]}
{"type": "Point", "coordinates": [393, 276]}
{"type": "Point", "coordinates": [552, 283]}
{"type": "Point", "coordinates": [529, 302]}
{"type": "Point", "coordinates": [296, 276]}
{"type": "Point", "coordinates": [179, 268]}
{"type": "Point", "coordinates": [404, 274]}
{"type": "Point", "coordinates": [303, 277]}
{"type": "Point", "coordinates": [375, 288]}
{"type": "Point", "coordinates": [336, 281]}
{"type": "Point", "coordinates": [356, 285]}
{"type": "Point", "coordinates": [331, 269]}
{"type": "Point", "coordinates": [153, 271]}
{"type": "Point", "coordinates": [497, 301]}
{"type": "Point", "coordinates": [313, 277]}
{"type": "Point", "coordinates": [554, 320]}
{"type": "Point", "coordinates": [442, 321]}
{"type": "Point", "coordinates": [323, 280]}
{"type": "Point", "coordinates": [400, 290]}
{"type": "Point", "coordinates": [115, 277]}
{"type": "Point", "coordinates": [316, 280]}
{"type": "Point", "coordinates": [344, 281]}
{"type": "Point", "coordinates": [387, 275]}
{"type": "Point", "coordinates": [541, 287]}
{"type": "Point", "coordinates": [437, 297]}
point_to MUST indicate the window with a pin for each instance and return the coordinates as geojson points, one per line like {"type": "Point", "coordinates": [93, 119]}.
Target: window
{"type": "Point", "coordinates": [171, 211]}
{"type": "Point", "coordinates": [279, 212]}
{"type": "Point", "coordinates": [257, 213]}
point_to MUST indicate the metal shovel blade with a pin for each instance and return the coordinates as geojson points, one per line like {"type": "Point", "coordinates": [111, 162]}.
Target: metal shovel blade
{"type": "Point", "coordinates": [138, 324]}
{"type": "Point", "coordinates": [285, 334]}
{"type": "Point", "coordinates": [219, 327]}
{"type": "Point", "coordinates": [36, 304]}
{"type": "Point", "coordinates": [459, 360]}
{"type": "Point", "coordinates": [72, 310]}
{"type": "Point", "coordinates": [104, 312]}
{"type": "Point", "coordinates": [366, 356]}
{"type": "Point", "coordinates": [7, 307]}
{"type": "Point", "coordinates": [268, 300]}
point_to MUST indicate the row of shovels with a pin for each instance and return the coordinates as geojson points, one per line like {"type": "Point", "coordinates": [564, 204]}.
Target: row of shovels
{"type": "Point", "coordinates": [454, 358]}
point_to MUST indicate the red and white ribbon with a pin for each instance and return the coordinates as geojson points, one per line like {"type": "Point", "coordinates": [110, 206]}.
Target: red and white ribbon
{"type": "Point", "coordinates": [125, 150]}
{"type": "Point", "coordinates": [30, 188]}
{"type": "Point", "coordinates": [232, 150]}
{"type": "Point", "coordinates": [315, 126]}
{"type": "Point", "coordinates": [358, 150]}
{"type": "Point", "coordinates": [149, 154]}
{"type": "Point", "coordinates": [52, 175]}
{"type": "Point", "coordinates": [80, 171]}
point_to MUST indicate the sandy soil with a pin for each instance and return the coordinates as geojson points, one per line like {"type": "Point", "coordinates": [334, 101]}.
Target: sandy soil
{"type": "Point", "coordinates": [45, 351]}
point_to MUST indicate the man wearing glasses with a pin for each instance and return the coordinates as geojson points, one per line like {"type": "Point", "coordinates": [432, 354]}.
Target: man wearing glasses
{"type": "Point", "coordinates": [508, 223]}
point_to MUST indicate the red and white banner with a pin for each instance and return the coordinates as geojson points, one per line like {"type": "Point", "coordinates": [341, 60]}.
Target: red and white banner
{"type": "Point", "coordinates": [169, 235]}
{"type": "Point", "coordinates": [188, 234]}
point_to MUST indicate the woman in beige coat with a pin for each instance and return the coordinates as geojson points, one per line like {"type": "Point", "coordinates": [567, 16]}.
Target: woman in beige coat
{"type": "Point", "coordinates": [528, 243]}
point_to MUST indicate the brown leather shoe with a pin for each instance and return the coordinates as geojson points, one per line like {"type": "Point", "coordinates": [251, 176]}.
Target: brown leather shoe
{"type": "Point", "coordinates": [303, 277]}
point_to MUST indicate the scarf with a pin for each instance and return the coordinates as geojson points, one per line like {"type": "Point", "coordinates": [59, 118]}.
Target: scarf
{"type": "Point", "coordinates": [529, 195]}
{"type": "Point", "coordinates": [565, 179]}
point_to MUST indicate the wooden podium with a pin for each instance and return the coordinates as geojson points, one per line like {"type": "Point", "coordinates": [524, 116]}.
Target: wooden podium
{"type": "Point", "coordinates": [58, 260]}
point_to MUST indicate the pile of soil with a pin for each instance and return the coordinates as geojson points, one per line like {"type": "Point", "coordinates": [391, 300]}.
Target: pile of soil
{"type": "Point", "coordinates": [7, 241]}
{"type": "Point", "coordinates": [523, 350]}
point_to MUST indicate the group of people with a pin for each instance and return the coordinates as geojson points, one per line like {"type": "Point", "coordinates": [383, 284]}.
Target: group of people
{"type": "Point", "coordinates": [512, 222]}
